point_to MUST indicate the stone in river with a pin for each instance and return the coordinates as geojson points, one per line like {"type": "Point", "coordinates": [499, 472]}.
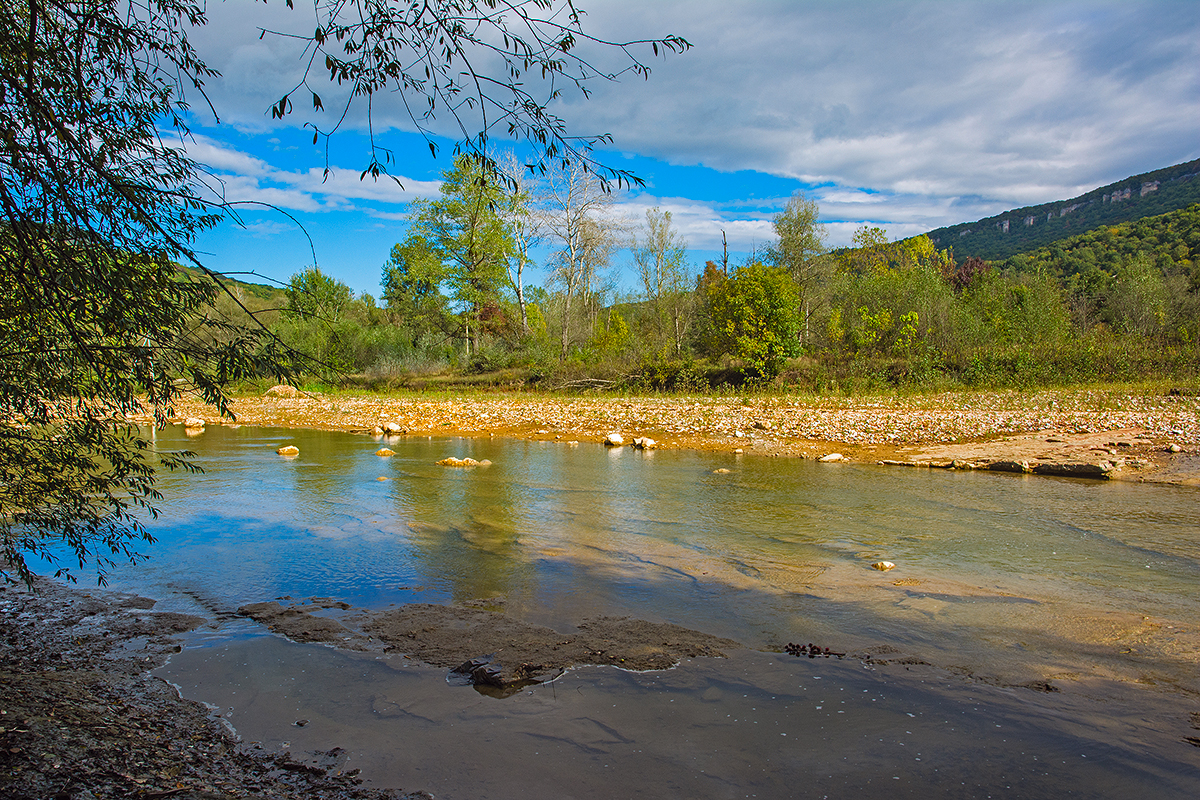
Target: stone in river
{"type": "Point", "coordinates": [288, 450]}
{"type": "Point", "coordinates": [832, 457]}
{"type": "Point", "coordinates": [644, 443]}
{"type": "Point", "coordinates": [614, 440]}
{"type": "Point", "coordinates": [193, 422]}
{"type": "Point", "coordinates": [384, 452]}
{"type": "Point", "coordinates": [883, 566]}
{"type": "Point", "coordinates": [393, 428]}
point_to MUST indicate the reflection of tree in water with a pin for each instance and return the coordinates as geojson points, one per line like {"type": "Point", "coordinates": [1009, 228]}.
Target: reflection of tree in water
{"type": "Point", "coordinates": [465, 535]}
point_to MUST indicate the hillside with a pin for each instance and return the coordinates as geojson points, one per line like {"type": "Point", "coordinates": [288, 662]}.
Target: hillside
{"type": "Point", "coordinates": [1024, 229]}
{"type": "Point", "coordinates": [1171, 241]}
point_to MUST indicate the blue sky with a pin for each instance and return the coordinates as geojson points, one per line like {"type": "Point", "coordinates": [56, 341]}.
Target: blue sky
{"type": "Point", "coordinates": [909, 116]}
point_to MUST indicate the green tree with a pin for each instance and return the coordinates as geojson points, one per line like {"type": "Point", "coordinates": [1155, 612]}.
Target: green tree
{"type": "Point", "coordinates": [412, 281]}
{"type": "Point", "coordinates": [755, 316]}
{"type": "Point", "coordinates": [466, 232]}
{"type": "Point", "coordinates": [100, 205]}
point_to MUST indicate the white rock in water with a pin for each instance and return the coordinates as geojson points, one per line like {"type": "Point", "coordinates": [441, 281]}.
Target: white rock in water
{"type": "Point", "coordinates": [393, 428]}
{"type": "Point", "coordinates": [720, 471]}
{"type": "Point", "coordinates": [644, 443]}
{"type": "Point", "coordinates": [193, 422]}
{"type": "Point", "coordinates": [832, 457]}
{"type": "Point", "coordinates": [377, 431]}
{"type": "Point", "coordinates": [384, 452]}
{"type": "Point", "coordinates": [614, 440]}
{"type": "Point", "coordinates": [883, 566]}
{"type": "Point", "coordinates": [288, 450]}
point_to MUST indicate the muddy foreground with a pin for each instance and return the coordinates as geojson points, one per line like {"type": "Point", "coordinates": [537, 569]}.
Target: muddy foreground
{"type": "Point", "coordinates": [81, 717]}
{"type": "Point", "coordinates": [1106, 434]}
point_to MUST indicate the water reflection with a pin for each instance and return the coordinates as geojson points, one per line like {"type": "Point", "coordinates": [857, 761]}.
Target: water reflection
{"type": "Point", "coordinates": [1026, 578]}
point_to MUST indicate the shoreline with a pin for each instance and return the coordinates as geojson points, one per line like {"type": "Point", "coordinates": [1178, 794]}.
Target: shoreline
{"type": "Point", "coordinates": [1071, 433]}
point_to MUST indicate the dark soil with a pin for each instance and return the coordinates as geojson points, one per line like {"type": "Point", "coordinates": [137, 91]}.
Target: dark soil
{"type": "Point", "coordinates": [82, 718]}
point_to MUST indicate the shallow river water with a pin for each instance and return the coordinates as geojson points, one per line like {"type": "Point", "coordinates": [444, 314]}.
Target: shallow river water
{"type": "Point", "coordinates": [1005, 586]}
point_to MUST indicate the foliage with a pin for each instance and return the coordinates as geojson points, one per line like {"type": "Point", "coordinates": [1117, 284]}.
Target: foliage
{"type": "Point", "coordinates": [431, 53]}
{"type": "Point", "coordinates": [95, 318]}
{"type": "Point", "coordinates": [755, 316]}
{"type": "Point", "coordinates": [1023, 229]}
{"type": "Point", "coordinates": [100, 207]}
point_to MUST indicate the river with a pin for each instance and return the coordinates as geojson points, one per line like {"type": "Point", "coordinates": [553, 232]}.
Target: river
{"type": "Point", "coordinates": [1038, 636]}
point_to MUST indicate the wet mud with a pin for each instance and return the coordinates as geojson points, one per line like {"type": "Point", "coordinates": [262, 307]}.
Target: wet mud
{"type": "Point", "coordinates": [82, 718]}
{"type": "Point", "coordinates": [486, 646]}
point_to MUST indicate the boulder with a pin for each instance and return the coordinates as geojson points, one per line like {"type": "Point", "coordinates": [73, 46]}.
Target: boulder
{"type": "Point", "coordinates": [644, 443]}
{"type": "Point", "coordinates": [828, 457]}
{"type": "Point", "coordinates": [377, 431]}
{"type": "Point", "coordinates": [883, 566]}
{"type": "Point", "coordinates": [193, 422]}
{"type": "Point", "coordinates": [1174, 448]}
{"type": "Point", "coordinates": [460, 462]}
{"type": "Point", "coordinates": [393, 428]}
{"type": "Point", "coordinates": [282, 390]}
{"type": "Point", "coordinates": [1075, 469]}
{"type": "Point", "coordinates": [1009, 466]}
{"type": "Point", "coordinates": [384, 452]}
{"type": "Point", "coordinates": [288, 450]}
{"type": "Point", "coordinates": [720, 471]}
{"type": "Point", "coordinates": [614, 440]}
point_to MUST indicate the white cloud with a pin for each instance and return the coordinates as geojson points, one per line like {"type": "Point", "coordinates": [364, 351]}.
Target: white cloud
{"type": "Point", "coordinates": [911, 114]}
{"type": "Point", "coordinates": [240, 178]}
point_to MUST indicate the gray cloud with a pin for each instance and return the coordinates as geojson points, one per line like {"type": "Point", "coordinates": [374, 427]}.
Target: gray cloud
{"type": "Point", "coordinates": [946, 111]}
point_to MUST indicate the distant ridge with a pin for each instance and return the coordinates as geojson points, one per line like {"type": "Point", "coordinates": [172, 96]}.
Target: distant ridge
{"type": "Point", "coordinates": [1023, 229]}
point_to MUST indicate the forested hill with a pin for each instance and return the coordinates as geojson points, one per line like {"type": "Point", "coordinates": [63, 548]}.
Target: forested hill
{"type": "Point", "coordinates": [1024, 229]}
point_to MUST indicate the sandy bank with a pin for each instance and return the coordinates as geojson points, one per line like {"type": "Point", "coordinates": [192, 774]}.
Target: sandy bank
{"type": "Point", "coordinates": [1084, 433]}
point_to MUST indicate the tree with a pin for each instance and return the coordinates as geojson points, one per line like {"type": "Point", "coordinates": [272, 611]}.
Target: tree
{"type": "Point", "coordinates": [465, 230]}
{"type": "Point", "coordinates": [755, 316]}
{"type": "Point", "coordinates": [575, 199]}
{"type": "Point", "coordinates": [800, 251]}
{"type": "Point", "coordinates": [311, 294]}
{"type": "Point", "coordinates": [660, 256]}
{"type": "Point", "coordinates": [96, 319]}
{"type": "Point", "coordinates": [524, 225]}
{"type": "Point", "coordinates": [412, 280]}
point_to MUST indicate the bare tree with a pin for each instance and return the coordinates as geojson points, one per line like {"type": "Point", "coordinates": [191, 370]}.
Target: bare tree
{"type": "Point", "coordinates": [572, 215]}
{"type": "Point", "coordinates": [661, 259]}
{"type": "Point", "coordinates": [524, 224]}
{"type": "Point", "coordinates": [801, 251]}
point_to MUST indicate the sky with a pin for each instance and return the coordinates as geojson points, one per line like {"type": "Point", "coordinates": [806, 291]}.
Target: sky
{"type": "Point", "coordinates": [904, 115]}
